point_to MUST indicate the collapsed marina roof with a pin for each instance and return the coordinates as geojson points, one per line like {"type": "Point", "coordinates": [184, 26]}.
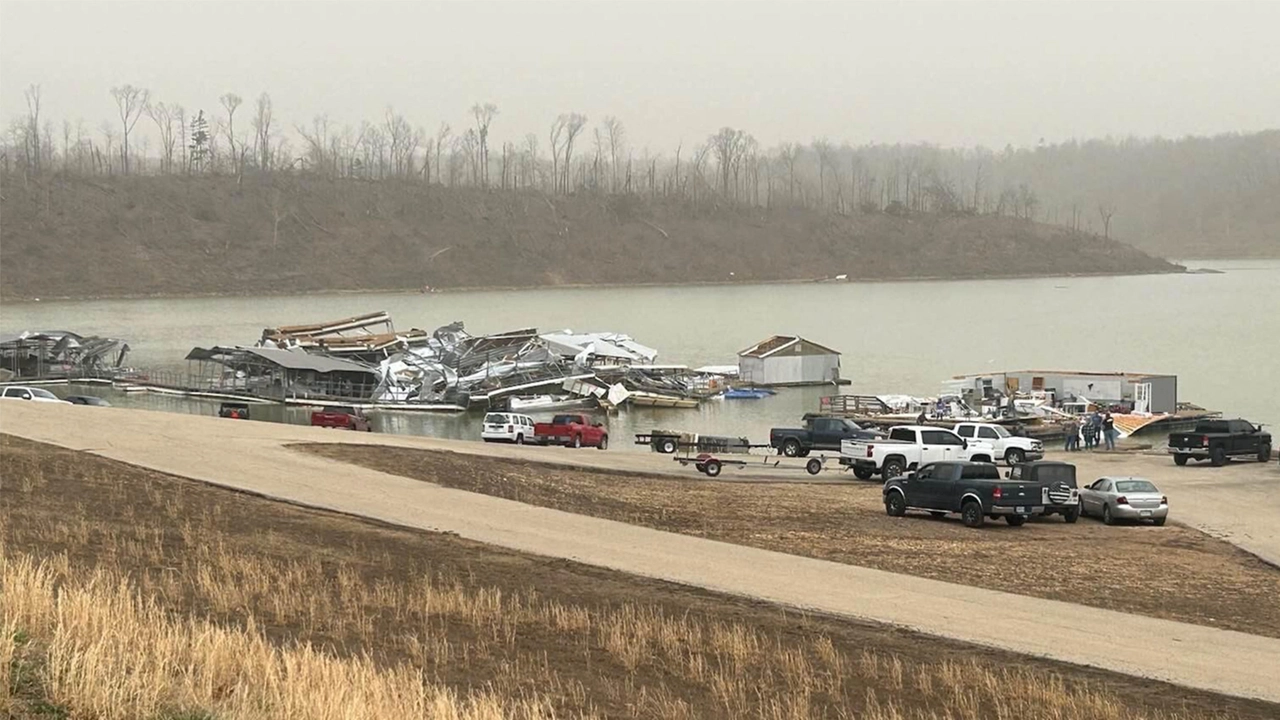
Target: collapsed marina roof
{"type": "Point", "coordinates": [60, 352]}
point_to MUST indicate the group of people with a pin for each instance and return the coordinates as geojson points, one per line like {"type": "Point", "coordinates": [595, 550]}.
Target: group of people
{"type": "Point", "coordinates": [1096, 429]}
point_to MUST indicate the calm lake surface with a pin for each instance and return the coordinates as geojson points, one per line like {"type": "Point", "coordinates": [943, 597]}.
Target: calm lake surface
{"type": "Point", "coordinates": [1219, 333]}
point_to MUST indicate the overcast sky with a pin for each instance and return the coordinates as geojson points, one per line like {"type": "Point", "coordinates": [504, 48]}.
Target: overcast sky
{"type": "Point", "coordinates": [951, 73]}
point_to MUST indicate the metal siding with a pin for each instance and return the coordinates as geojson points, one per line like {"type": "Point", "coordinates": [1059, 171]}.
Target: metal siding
{"type": "Point", "coordinates": [1164, 393]}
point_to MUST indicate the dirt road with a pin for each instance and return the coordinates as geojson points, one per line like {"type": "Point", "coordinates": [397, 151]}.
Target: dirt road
{"type": "Point", "coordinates": [252, 456]}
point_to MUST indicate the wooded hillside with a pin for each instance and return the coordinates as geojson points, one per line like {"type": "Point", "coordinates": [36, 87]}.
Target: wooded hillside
{"type": "Point", "coordinates": [285, 232]}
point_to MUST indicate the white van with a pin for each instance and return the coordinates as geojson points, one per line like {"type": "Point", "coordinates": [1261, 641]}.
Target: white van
{"type": "Point", "coordinates": [507, 427]}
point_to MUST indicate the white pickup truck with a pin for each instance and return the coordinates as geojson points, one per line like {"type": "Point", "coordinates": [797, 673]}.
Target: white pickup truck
{"type": "Point", "coordinates": [909, 447]}
{"type": "Point", "coordinates": [1009, 447]}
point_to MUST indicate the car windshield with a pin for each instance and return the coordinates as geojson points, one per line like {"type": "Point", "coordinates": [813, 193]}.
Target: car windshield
{"type": "Point", "coordinates": [1001, 432]}
{"type": "Point", "coordinates": [1056, 473]}
{"type": "Point", "coordinates": [1135, 486]}
{"type": "Point", "coordinates": [43, 394]}
{"type": "Point", "coordinates": [495, 418]}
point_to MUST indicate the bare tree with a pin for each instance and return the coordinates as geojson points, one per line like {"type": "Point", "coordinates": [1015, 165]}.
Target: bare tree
{"type": "Point", "coordinates": [573, 124]}
{"type": "Point", "coordinates": [1105, 211]}
{"type": "Point", "coordinates": [31, 130]}
{"type": "Point", "coordinates": [728, 145]}
{"type": "Point", "coordinates": [262, 118]}
{"type": "Point", "coordinates": [162, 116]}
{"type": "Point", "coordinates": [130, 102]}
{"type": "Point", "coordinates": [441, 135]}
{"type": "Point", "coordinates": [231, 101]}
{"type": "Point", "coordinates": [616, 134]}
{"type": "Point", "coordinates": [484, 114]}
{"type": "Point", "coordinates": [557, 131]}
{"type": "Point", "coordinates": [788, 154]}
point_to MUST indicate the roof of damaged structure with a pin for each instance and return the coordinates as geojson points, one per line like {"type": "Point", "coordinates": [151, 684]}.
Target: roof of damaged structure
{"type": "Point", "coordinates": [289, 359]}
{"type": "Point", "coordinates": [778, 343]}
{"type": "Point", "coordinates": [357, 322]}
{"type": "Point", "coordinates": [607, 345]}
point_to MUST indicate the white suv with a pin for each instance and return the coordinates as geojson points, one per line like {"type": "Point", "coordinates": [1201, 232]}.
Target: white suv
{"type": "Point", "coordinates": [507, 427]}
{"type": "Point", "coordinates": [34, 394]}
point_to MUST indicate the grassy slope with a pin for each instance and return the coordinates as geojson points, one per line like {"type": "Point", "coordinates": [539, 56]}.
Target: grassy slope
{"type": "Point", "coordinates": [172, 236]}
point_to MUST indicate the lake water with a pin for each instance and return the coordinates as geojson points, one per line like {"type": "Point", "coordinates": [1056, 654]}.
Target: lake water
{"type": "Point", "coordinates": [1220, 333]}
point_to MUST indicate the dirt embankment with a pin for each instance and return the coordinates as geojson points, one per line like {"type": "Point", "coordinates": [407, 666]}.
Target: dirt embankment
{"type": "Point", "coordinates": [118, 237]}
{"type": "Point", "coordinates": [1183, 578]}
{"type": "Point", "coordinates": [389, 611]}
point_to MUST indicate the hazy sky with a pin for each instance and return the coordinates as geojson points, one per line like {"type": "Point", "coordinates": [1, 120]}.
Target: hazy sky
{"type": "Point", "coordinates": [952, 73]}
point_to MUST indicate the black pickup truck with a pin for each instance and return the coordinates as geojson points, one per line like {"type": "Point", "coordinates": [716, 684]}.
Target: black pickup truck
{"type": "Point", "coordinates": [819, 433]}
{"type": "Point", "coordinates": [1219, 440]}
{"type": "Point", "coordinates": [973, 489]}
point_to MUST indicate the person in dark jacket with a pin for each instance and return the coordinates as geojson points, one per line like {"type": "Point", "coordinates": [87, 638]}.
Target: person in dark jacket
{"type": "Point", "coordinates": [1109, 430]}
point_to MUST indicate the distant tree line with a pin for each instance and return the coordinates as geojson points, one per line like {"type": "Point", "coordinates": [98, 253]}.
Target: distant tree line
{"type": "Point", "coordinates": [1200, 186]}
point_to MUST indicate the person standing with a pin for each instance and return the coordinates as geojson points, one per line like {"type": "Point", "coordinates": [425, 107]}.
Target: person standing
{"type": "Point", "coordinates": [1109, 430]}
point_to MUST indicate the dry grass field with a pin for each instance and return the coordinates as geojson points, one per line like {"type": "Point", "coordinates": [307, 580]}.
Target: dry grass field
{"type": "Point", "coordinates": [1172, 572]}
{"type": "Point", "coordinates": [132, 594]}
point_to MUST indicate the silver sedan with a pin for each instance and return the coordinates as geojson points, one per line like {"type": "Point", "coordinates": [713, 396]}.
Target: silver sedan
{"type": "Point", "coordinates": [1124, 498]}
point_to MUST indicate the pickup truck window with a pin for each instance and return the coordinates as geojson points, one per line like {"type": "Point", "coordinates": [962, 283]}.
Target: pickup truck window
{"type": "Point", "coordinates": [826, 425]}
{"type": "Point", "coordinates": [1212, 427]}
{"type": "Point", "coordinates": [925, 472]}
{"type": "Point", "coordinates": [1056, 473]}
{"type": "Point", "coordinates": [965, 431]}
{"type": "Point", "coordinates": [987, 434]}
{"type": "Point", "coordinates": [940, 437]}
{"type": "Point", "coordinates": [1016, 473]}
{"type": "Point", "coordinates": [902, 434]}
{"type": "Point", "coordinates": [564, 419]}
{"type": "Point", "coordinates": [1240, 426]}
{"type": "Point", "coordinates": [980, 472]}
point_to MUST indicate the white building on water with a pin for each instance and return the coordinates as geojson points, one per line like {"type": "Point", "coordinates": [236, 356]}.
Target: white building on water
{"type": "Point", "coordinates": [789, 360]}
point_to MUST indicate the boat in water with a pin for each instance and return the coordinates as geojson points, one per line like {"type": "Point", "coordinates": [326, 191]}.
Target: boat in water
{"type": "Point", "coordinates": [747, 393]}
{"type": "Point", "coordinates": [546, 403]}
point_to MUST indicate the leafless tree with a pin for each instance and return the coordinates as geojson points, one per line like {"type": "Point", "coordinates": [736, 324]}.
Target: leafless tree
{"type": "Point", "coordinates": [262, 118]}
{"type": "Point", "coordinates": [572, 125]}
{"type": "Point", "coordinates": [162, 116]}
{"type": "Point", "coordinates": [130, 102]}
{"type": "Point", "coordinates": [318, 144]}
{"type": "Point", "coordinates": [557, 132]}
{"type": "Point", "coordinates": [31, 145]}
{"type": "Point", "coordinates": [1105, 211]}
{"type": "Point", "coordinates": [483, 114]}
{"type": "Point", "coordinates": [231, 101]}
{"type": "Point", "coordinates": [788, 154]}
{"type": "Point", "coordinates": [728, 145]}
{"type": "Point", "coordinates": [616, 135]}
{"type": "Point", "coordinates": [442, 133]}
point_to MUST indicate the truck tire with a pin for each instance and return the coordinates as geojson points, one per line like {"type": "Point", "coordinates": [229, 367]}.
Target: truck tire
{"type": "Point", "coordinates": [604, 443]}
{"type": "Point", "coordinates": [1180, 460]}
{"type": "Point", "coordinates": [667, 446]}
{"type": "Point", "coordinates": [711, 468]}
{"type": "Point", "coordinates": [1264, 453]}
{"type": "Point", "coordinates": [1072, 515]}
{"type": "Point", "coordinates": [577, 441]}
{"type": "Point", "coordinates": [791, 447]}
{"type": "Point", "coordinates": [1218, 457]}
{"type": "Point", "coordinates": [895, 505]}
{"type": "Point", "coordinates": [1014, 456]}
{"type": "Point", "coordinates": [863, 473]}
{"type": "Point", "coordinates": [813, 467]}
{"type": "Point", "coordinates": [1015, 520]}
{"type": "Point", "coordinates": [971, 514]}
{"type": "Point", "coordinates": [892, 468]}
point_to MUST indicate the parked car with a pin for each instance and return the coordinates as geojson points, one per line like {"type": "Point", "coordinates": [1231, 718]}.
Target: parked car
{"type": "Point", "coordinates": [87, 400]}
{"type": "Point", "coordinates": [973, 489]}
{"type": "Point", "coordinates": [1219, 440]}
{"type": "Point", "coordinates": [507, 427]}
{"type": "Point", "coordinates": [1061, 494]}
{"type": "Point", "coordinates": [574, 430]}
{"type": "Point", "coordinates": [1013, 449]}
{"type": "Point", "coordinates": [341, 416]}
{"type": "Point", "coordinates": [819, 433]}
{"type": "Point", "coordinates": [234, 410]}
{"type": "Point", "coordinates": [909, 447]}
{"type": "Point", "coordinates": [1124, 498]}
{"type": "Point", "coordinates": [33, 394]}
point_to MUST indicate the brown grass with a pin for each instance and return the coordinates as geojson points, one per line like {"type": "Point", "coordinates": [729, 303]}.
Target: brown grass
{"type": "Point", "coordinates": [129, 593]}
{"type": "Point", "coordinates": [1182, 574]}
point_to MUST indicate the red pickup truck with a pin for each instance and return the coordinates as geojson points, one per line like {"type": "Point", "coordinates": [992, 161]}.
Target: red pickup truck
{"type": "Point", "coordinates": [572, 430]}
{"type": "Point", "coordinates": [341, 416]}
